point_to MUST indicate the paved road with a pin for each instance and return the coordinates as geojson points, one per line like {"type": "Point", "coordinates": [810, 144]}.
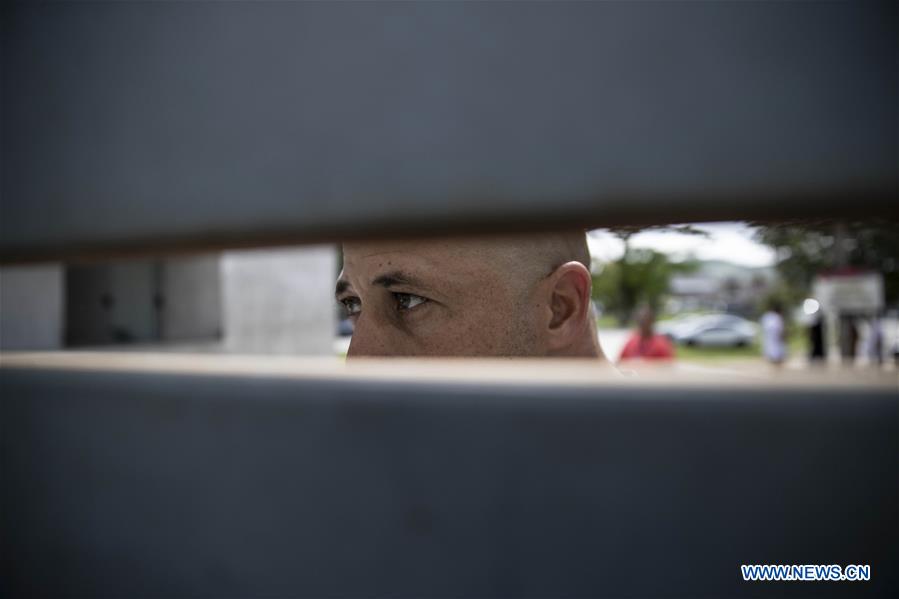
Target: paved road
{"type": "Point", "coordinates": [612, 341]}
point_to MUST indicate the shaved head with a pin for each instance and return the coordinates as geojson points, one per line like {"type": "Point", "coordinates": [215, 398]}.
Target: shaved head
{"type": "Point", "coordinates": [509, 295]}
{"type": "Point", "coordinates": [527, 258]}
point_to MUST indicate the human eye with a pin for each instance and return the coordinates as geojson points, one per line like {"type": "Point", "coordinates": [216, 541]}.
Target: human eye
{"type": "Point", "coordinates": [352, 305]}
{"type": "Point", "coordinates": [408, 301]}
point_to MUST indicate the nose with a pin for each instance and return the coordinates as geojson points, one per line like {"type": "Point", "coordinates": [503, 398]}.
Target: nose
{"type": "Point", "coordinates": [366, 340]}
{"type": "Point", "coordinates": [353, 350]}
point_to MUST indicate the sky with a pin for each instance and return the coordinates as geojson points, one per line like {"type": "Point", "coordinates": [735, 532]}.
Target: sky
{"type": "Point", "coordinates": [728, 241]}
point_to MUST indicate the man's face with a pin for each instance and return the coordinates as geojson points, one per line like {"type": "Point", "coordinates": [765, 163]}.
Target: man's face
{"type": "Point", "coordinates": [435, 298]}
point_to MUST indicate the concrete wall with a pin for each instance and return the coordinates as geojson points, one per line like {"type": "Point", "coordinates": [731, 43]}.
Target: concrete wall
{"type": "Point", "coordinates": [266, 301]}
{"type": "Point", "coordinates": [111, 303]}
{"type": "Point", "coordinates": [192, 298]}
{"type": "Point", "coordinates": [31, 307]}
{"type": "Point", "coordinates": [280, 301]}
{"type": "Point", "coordinates": [146, 301]}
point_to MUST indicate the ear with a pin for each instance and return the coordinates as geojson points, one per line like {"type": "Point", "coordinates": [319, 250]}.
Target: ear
{"type": "Point", "coordinates": [569, 303]}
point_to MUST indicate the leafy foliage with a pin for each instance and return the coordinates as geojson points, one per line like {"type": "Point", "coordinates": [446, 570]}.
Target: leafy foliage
{"type": "Point", "coordinates": [805, 249]}
{"type": "Point", "coordinates": [640, 276]}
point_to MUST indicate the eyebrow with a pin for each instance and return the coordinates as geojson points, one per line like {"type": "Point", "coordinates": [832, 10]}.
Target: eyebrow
{"type": "Point", "coordinates": [386, 280]}
{"type": "Point", "coordinates": [396, 277]}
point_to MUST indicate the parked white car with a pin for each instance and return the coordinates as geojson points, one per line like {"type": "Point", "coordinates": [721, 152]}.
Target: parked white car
{"type": "Point", "coordinates": [710, 330]}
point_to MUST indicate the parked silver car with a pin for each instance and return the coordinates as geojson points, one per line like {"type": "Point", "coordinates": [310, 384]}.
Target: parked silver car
{"type": "Point", "coordinates": [711, 330]}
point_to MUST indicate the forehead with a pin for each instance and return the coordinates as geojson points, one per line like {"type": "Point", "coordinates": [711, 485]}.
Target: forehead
{"type": "Point", "coordinates": [438, 261]}
{"type": "Point", "coordinates": [431, 250]}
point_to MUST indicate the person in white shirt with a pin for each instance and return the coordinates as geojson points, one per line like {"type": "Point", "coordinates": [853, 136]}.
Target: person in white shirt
{"type": "Point", "coordinates": [773, 334]}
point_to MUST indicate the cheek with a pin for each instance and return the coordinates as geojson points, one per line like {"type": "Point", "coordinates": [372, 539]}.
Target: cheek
{"type": "Point", "coordinates": [461, 340]}
{"type": "Point", "coordinates": [483, 332]}
{"type": "Point", "coordinates": [377, 337]}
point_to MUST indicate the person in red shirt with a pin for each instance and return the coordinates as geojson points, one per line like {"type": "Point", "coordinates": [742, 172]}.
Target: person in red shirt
{"type": "Point", "coordinates": [644, 343]}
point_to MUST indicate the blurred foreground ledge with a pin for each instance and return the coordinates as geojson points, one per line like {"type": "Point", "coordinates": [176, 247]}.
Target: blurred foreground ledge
{"type": "Point", "coordinates": [455, 370]}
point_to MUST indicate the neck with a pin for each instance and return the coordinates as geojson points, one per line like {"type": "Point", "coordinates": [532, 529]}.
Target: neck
{"type": "Point", "coordinates": [586, 345]}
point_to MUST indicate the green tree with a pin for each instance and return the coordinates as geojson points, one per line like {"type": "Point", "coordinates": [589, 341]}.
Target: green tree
{"type": "Point", "coordinates": [640, 276]}
{"type": "Point", "coordinates": [805, 249]}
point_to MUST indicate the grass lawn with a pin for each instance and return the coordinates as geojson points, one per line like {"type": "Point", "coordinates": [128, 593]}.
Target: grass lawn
{"type": "Point", "coordinates": [702, 354]}
{"type": "Point", "coordinates": [607, 321]}
{"type": "Point", "coordinates": [797, 344]}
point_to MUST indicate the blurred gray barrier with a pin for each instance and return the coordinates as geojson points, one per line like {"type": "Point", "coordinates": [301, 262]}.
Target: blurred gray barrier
{"type": "Point", "coordinates": [161, 126]}
{"type": "Point", "coordinates": [140, 485]}
{"type": "Point", "coordinates": [131, 127]}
